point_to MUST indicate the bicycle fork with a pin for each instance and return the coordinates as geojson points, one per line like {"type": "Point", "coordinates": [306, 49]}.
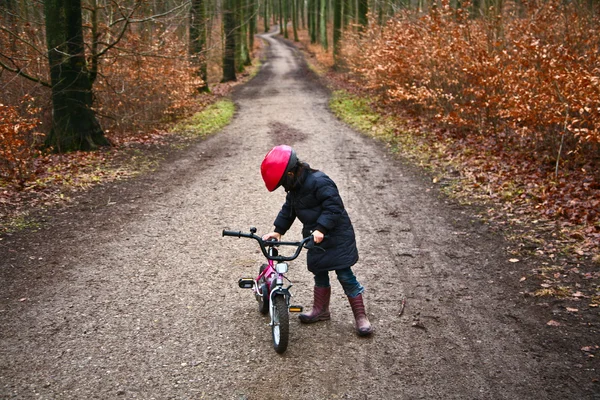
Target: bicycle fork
{"type": "Point", "coordinates": [279, 290]}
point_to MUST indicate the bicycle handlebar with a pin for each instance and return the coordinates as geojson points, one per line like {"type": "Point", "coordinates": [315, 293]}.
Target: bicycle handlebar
{"type": "Point", "coordinates": [272, 243]}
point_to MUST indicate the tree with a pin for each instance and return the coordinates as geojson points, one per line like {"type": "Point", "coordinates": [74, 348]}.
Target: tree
{"type": "Point", "coordinates": [241, 35]}
{"type": "Point", "coordinates": [229, 51]}
{"type": "Point", "coordinates": [337, 29]}
{"type": "Point", "coordinates": [65, 47]}
{"type": "Point", "coordinates": [285, 11]}
{"type": "Point", "coordinates": [198, 41]}
{"type": "Point", "coordinates": [8, 8]}
{"type": "Point", "coordinates": [282, 22]}
{"type": "Point", "coordinates": [252, 24]}
{"type": "Point", "coordinates": [74, 124]}
{"type": "Point", "coordinates": [323, 24]}
{"type": "Point", "coordinates": [313, 20]}
{"type": "Point", "coordinates": [266, 15]}
{"type": "Point", "coordinates": [295, 20]}
{"type": "Point", "coordinates": [362, 11]}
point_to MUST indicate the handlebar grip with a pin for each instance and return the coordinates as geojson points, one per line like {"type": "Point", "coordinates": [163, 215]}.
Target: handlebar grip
{"type": "Point", "coordinates": [232, 233]}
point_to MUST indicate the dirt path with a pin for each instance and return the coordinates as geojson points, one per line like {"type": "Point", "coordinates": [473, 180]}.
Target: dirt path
{"type": "Point", "coordinates": [132, 293]}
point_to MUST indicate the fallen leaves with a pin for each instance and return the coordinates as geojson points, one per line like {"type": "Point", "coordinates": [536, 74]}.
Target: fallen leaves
{"type": "Point", "coordinates": [19, 136]}
{"type": "Point", "coordinates": [500, 126]}
{"type": "Point", "coordinates": [59, 176]}
{"type": "Point", "coordinates": [559, 292]}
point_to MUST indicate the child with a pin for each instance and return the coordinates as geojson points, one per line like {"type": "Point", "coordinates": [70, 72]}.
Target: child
{"type": "Point", "coordinates": [313, 198]}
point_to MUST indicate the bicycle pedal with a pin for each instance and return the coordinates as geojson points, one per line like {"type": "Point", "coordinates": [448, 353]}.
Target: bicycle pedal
{"type": "Point", "coordinates": [295, 308]}
{"type": "Point", "coordinates": [246, 283]}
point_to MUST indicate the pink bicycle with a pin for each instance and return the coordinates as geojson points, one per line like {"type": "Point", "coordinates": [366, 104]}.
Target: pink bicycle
{"type": "Point", "coordinates": [268, 287]}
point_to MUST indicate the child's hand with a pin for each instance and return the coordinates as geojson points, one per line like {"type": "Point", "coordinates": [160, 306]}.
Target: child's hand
{"type": "Point", "coordinates": [318, 236]}
{"type": "Point", "coordinates": [272, 235]}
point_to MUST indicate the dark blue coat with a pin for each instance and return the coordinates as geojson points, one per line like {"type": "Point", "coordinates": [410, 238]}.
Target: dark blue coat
{"type": "Point", "coordinates": [316, 202]}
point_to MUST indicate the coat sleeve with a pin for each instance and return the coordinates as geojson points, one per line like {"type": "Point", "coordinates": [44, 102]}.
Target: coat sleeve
{"type": "Point", "coordinates": [332, 206]}
{"type": "Point", "coordinates": [285, 218]}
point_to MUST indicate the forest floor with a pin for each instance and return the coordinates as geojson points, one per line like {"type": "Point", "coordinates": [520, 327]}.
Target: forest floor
{"type": "Point", "coordinates": [131, 292]}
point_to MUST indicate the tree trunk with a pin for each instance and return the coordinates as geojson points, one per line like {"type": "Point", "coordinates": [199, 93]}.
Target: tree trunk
{"type": "Point", "coordinates": [229, 53]}
{"type": "Point", "coordinates": [295, 20]}
{"type": "Point", "coordinates": [363, 9]}
{"type": "Point", "coordinates": [74, 123]}
{"type": "Point", "coordinates": [310, 21]}
{"type": "Point", "coordinates": [198, 41]}
{"type": "Point", "coordinates": [323, 24]}
{"type": "Point", "coordinates": [241, 38]}
{"type": "Point", "coordinates": [314, 20]}
{"type": "Point", "coordinates": [252, 30]}
{"type": "Point", "coordinates": [266, 15]}
{"type": "Point", "coordinates": [349, 13]}
{"type": "Point", "coordinates": [337, 30]}
{"type": "Point", "coordinates": [286, 15]}
{"type": "Point", "coordinates": [282, 24]}
{"type": "Point", "coordinates": [9, 12]}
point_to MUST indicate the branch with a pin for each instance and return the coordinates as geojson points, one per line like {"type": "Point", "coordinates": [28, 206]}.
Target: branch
{"type": "Point", "coordinates": [152, 17]}
{"type": "Point", "coordinates": [19, 71]}
{"type": "Point", "coordinates": [20, 39]}
{"type": "Point", "coordinates": [149, 54]}
{"type": "Point", "coordinates": [121, 34]}
{"type": "Point", "coordinates": [154, 55]}
{"type": "Point", "coordinates": [127, 19]}
{"type": "Point", "coordinates": [31, 19]}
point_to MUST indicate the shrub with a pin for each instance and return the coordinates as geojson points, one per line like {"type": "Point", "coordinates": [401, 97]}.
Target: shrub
{"type": "Point", "coordinates": [19, 140]}
{"type": "Point", "coordinates": [538, 75]}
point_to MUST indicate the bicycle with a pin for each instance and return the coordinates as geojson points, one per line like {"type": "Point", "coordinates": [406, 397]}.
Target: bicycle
{"type": "Point", "coordinates": [268, 287]}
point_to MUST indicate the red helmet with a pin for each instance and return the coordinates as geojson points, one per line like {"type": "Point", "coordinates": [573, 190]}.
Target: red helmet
{"type": "Point", "coordinates": [280, 160]}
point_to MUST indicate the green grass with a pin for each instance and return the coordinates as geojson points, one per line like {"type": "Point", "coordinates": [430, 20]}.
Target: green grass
{"type": "Point", "coordinates": [357, 112]}
{"type": "Point", "coordinates": [18, 223]}
{"type": "Point", "coordinates": [208, 121]}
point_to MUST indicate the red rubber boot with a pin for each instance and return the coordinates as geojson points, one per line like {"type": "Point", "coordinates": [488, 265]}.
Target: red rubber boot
{"type": "Point", "coordinates": [320, 310]}
{"type": "Point", "coordinates": [363, 326]}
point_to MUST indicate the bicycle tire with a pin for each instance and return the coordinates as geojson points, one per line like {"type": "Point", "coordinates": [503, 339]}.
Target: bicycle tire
{"type": "Point", "coordinates": [263, 301]}
{"type": "Point", "coordinates": [281, 324]}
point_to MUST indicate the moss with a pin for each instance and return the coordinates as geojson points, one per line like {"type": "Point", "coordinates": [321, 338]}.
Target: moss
{"type": "Point", "coordinates": [208, 121]}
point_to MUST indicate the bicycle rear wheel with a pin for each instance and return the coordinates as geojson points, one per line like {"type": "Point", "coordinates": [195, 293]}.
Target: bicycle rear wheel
{"type": "Point", "coordinates": [281, 324]}
{"type": "Point", "coordinates": [263, 299]}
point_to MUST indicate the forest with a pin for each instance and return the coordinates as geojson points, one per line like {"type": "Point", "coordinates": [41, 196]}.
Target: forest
{"type": "Point", "coordinates": [504, 94]}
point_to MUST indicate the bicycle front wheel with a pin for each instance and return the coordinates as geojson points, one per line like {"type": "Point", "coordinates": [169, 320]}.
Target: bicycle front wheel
{"type": "Point", "coordinates": [281, 324]}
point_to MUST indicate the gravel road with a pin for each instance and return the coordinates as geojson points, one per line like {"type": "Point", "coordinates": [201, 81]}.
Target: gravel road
{"type": "Point", "coordinates": [132, 292]}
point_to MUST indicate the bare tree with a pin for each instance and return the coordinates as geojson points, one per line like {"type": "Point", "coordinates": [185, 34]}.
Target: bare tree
{"type": "Point", "coordinates": [198, 36]}
{"type": "Point", "coordinates": [230, 32]}
{"type": "Point", "coordinates": [74, 124]}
